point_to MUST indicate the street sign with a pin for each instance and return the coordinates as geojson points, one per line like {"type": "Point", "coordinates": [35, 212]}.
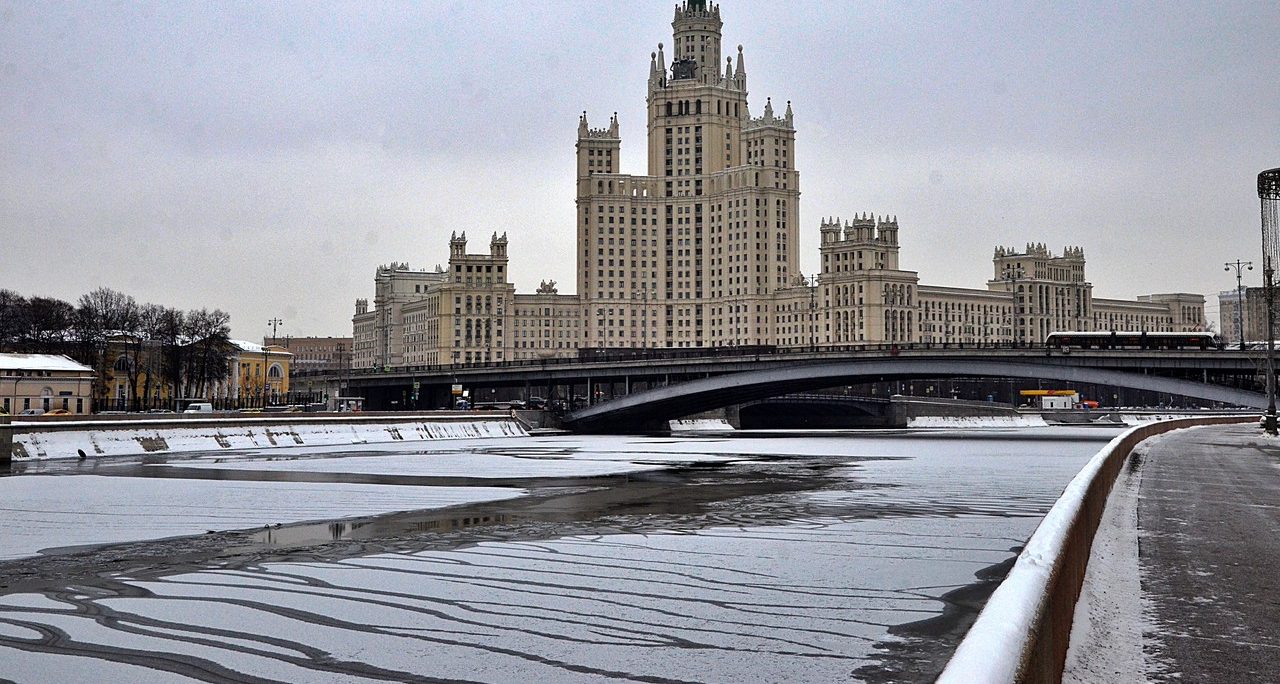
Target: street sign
{"type": "Point", "coordinates": [457, 390]}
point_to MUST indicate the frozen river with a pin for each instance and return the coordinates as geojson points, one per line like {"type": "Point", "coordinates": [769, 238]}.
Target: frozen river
{"type": "Point", "coordinates": [770, 557]}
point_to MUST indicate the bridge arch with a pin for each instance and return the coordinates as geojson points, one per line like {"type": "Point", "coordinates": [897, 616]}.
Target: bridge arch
{"type": "Point", "coordinates": [645, 409]}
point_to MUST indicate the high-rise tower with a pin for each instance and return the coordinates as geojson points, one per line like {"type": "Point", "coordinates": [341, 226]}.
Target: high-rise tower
{"type": "Point", "coordinates": [691, 254]}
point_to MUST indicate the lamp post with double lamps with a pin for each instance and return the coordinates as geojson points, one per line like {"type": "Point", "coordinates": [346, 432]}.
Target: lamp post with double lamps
{"type": "Point", "coordinates": [266, 370]}
{"type": "Point", "coordinates": [1239, 265]}
{"type": "Point", "coordinates": [1269, 195]}
{"type": "Point", "coordinates": [1011, 275]}
{"type": "Point", "coordinates": [811, 282]}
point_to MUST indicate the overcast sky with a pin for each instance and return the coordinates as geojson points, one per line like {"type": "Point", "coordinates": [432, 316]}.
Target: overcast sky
{"type": "Point", "coordinates": [264, 158]}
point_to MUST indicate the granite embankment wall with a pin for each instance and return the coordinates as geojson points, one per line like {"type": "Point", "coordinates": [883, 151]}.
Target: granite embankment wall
{"type": "Point", "coordinates": [1023, 632]}
{"type": "Point", "coordinates": [6, 439]}
{"type": "Point", "coordinates": [124, 436]}
{"type": "Point", "coordinates": [917, 411]}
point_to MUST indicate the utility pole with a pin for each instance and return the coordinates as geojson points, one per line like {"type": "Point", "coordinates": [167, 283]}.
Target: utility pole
{"type": "Point", "coordinates": [1238, 264]}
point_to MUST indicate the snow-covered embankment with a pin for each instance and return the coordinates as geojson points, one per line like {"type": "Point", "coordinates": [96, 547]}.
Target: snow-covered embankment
{"type": "Point", "coordinates": [77, 439]}
{"type": "Point", "coordinates": [1023, 632]}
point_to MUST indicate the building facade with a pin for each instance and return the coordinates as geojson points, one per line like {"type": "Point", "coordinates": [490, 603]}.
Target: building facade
{"type": "Point", "coordinates": [258, 374]}
{"type": "Point", "coordinates": [322, 354]}
{"type": "Point", "coordinates": [1253, 300]}
{"type": "Point", "coordinates": [44, 382]}
{"type": "Point", "coordinates": [703, 251]}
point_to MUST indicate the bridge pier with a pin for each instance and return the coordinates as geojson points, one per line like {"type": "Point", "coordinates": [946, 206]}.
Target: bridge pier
{"type": "Point", "coordinates": [6, 441]}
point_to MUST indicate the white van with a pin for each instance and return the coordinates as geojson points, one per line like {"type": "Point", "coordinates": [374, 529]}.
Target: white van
{"type": "Point", "coordinates": [199, 407]}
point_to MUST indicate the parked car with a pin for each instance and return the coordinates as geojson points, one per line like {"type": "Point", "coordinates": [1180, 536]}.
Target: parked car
{"type": "Point", "coordinates": [537, 403]}
{"type": "Point", "coordinates": [462, 405]}
{"type": "Point", "coordinates": [58, 412]}
{"type": "Point", "coordinates": [31, 412]}
{"type": "Point", "coordinates": [199, 407]}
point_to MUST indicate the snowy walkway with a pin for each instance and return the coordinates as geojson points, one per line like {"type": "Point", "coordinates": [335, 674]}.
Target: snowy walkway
{"type": "Point", "coordinates": [1185, 589]}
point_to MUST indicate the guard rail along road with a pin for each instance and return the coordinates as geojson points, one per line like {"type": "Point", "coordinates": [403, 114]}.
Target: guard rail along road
{"type": "Point", "coordinates": [1023, 632]}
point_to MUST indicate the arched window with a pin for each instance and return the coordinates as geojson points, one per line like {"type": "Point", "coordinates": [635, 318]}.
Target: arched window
{"type": "Point", "coordinates": [275, 372]}
{"type": "Point", "coordinates": [122, 364]}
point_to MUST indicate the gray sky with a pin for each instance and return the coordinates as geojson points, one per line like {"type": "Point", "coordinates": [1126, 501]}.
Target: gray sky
{"type": "Point", "coordinates": [265, 158]}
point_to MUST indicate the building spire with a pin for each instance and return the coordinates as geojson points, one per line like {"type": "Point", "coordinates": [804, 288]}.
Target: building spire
{"type": "Point", "coordinates": [740, 72]}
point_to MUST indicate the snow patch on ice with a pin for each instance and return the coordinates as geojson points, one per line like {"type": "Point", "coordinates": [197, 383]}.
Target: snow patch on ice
{"type": "Point", "coordinates": [976, 421]}
{"type": "Point", "coordinates": [700, 425]}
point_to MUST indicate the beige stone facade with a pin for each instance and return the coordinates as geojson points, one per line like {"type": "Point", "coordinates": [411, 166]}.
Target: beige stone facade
{"type": "Point", "coordinates": [319, 354]}
{"type": "Point", "coordinates": [1255, 315]}
{"type": "Point", "coordinates": [703, 251]}
{"type": "Point", "coordinates": [691, 254]}
{"type": "Point", "coordinates": [547, 324]}
{"type": "Point", "coordinates": [866, 297]}
{"type": "Point", "coordinates": [44, 382]}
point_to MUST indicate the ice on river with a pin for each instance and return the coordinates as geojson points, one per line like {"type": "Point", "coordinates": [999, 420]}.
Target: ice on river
{"type": "Point", "coordinates": [798, 602]}
{"type": "Point", "coordinates": [521, 458]}
{"type": "Point", "coordinates": [42, 512]}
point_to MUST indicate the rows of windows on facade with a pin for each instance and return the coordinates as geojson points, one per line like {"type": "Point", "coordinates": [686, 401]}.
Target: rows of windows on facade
{"type": "Point", "coordinates": [703, 251]}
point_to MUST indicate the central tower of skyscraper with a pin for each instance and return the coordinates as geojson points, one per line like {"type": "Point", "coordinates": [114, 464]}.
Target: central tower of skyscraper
{"type": "Point", "coordinates": [691, 254]}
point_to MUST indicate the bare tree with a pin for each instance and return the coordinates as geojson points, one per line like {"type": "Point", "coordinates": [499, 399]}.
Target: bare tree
{"type": "Point", "coordinates": [150, 359]}
{"type": "Point", "coordinates": [104, 315]}
{"type": "Point", "coordinates": [50, 324]}
{"type": "Point", "coordinates": [168, 336]}
{"type": "Point", "coordinates": [209, 340]}
{"type": "Point", "coordinates": [13, 320]}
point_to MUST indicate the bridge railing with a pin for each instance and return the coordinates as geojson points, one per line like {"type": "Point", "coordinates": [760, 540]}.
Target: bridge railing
{"type": "Point", "coordinates": [612, 356]}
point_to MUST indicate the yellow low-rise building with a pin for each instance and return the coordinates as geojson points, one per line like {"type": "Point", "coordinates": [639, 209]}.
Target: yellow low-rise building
{"type": "Point", "coordinates": [257, 373]}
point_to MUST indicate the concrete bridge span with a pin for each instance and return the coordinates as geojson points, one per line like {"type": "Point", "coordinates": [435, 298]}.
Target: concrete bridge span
{"type": "Point", "coordinates": [650, 409]}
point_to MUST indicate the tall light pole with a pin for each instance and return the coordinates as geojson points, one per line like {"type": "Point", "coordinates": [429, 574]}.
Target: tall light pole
{"type": "Point", "coordinates": [1238, 265]}
{"type": "Point", "coordinates": [1269, 195]}
{"type": "Point", "coordinates": [811, 282]}
{"type": "Point", "coordinates": [1010, 276]}
{"type": "Point", "coordinates": [274, 323]}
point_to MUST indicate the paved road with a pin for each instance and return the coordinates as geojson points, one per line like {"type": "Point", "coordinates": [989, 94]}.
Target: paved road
{"type": "Point", "coordinates": [1209, 552]}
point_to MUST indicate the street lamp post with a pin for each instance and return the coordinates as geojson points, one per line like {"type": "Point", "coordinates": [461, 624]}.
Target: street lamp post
{"type": "Point", "coordinates": [274, 323]}
{"type": "Point", "coordinates": [1238, 265]}
{"type": "Point", "coordinates": [1269, 195]}
{"type": "Point", "coordinates": [1010, 276]}
{"type": "Point", "coordinates": [811, 282]}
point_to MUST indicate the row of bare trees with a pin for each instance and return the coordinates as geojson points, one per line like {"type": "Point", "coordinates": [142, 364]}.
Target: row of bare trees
{"type": "Point", "coordinates": [148, 345]}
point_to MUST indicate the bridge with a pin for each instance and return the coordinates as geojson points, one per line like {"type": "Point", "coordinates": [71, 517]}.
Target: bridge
{"type": "Point", "coordinates": [646, 410]}
{"type": "Point", "coordinates": [1227, 376]}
